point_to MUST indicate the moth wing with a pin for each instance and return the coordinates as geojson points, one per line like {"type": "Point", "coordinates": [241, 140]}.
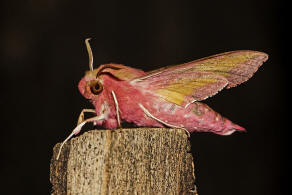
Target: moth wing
{"type": "Point", "coordinates": [187, 87]}
{"type": "Point", "coordinates": [202, 78]}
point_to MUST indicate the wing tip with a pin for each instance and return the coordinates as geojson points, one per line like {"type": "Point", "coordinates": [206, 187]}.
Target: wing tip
{"type": "Point", "coordinates": [257, 61]}
{"type": "Point", "coordinates": [261, 55]}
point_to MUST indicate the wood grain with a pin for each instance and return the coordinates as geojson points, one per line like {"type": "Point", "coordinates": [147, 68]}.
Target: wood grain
{"type": "Point", "coordinates": [125, 161]}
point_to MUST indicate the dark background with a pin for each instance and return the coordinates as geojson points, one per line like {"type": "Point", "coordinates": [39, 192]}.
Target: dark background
{"type": "Point", "coordinates": [43, 56]}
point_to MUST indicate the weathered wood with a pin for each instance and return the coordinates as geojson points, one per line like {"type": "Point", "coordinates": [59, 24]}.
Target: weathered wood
{"type": "Point", "coordinates": [126, 161]}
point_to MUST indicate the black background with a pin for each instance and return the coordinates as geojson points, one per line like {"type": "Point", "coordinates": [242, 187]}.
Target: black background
{"type": "Point", "coordinates": [43, 56]}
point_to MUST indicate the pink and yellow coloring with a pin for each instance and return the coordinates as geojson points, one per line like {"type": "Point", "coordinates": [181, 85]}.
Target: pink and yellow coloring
{"type": "Point", "coordinates": [167, 97]}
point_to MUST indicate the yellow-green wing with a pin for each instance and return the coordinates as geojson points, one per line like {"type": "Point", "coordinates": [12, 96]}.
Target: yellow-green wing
{"type": "Point", "coordinates": [202, 78]}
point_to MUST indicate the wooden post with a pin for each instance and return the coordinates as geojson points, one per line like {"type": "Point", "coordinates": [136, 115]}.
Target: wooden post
{"type": "Point", "coordinates": [126, 161]}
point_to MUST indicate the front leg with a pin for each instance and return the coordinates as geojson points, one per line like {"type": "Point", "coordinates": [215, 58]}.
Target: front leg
{"type": "Point", "coordinates": [81, 115]}
{"type": "Point", "coordinates": [79, 126]}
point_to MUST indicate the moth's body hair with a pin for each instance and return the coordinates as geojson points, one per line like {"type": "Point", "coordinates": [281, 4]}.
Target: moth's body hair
{"type": "Point", "coordinates": [163, 122]}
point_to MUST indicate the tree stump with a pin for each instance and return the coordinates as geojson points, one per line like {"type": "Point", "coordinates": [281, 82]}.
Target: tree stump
{"type": "Point", "coordinates": [125, 161]}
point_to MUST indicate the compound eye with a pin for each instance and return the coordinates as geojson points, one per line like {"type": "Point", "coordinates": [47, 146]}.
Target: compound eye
{"type": "Point", "coordinates": [96, 87]}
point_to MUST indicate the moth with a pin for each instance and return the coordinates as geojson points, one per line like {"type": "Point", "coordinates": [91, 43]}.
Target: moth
{"type": "Point", "coordinates": [168, 96]}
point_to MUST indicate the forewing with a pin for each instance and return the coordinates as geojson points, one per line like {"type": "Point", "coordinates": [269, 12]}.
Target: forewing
{"type": "Point", "coordinates": [232, 68]}
{"type": "Point", "coordinates": [184, 88]}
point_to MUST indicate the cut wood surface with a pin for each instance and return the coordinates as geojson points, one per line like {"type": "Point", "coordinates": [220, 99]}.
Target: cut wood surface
{"type": "Point", "coordinates": [125, 161]}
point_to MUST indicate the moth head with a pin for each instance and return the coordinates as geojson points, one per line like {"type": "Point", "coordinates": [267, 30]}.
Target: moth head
{"type": "Point", "coordinates": [92, 84]}
{"type": "Point", "coordinates": [91, 88]}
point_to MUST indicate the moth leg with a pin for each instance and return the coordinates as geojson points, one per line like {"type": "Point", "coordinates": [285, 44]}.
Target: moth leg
{"type": "Point", "coordinates": [190, 103]}
{"type": "Point", "coordinates": [157, 119]}
{"type": "Point", "coordinates": [78, 129]}
{"type": "Point", "coordinates": [117, 109]}
{"type": "Point", "coordinates": [81, 115]}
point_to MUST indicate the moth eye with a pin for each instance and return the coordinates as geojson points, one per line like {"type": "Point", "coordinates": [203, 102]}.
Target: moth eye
{"type": "Point", "coordinates": [96, 87]}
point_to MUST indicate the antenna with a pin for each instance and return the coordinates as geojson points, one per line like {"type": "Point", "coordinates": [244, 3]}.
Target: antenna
{"type": "Point", "coordinates": [89, 53]}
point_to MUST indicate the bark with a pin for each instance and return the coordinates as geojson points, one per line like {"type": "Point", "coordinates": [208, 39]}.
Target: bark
{"type": "Point", "coordinates": [125, 161]}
